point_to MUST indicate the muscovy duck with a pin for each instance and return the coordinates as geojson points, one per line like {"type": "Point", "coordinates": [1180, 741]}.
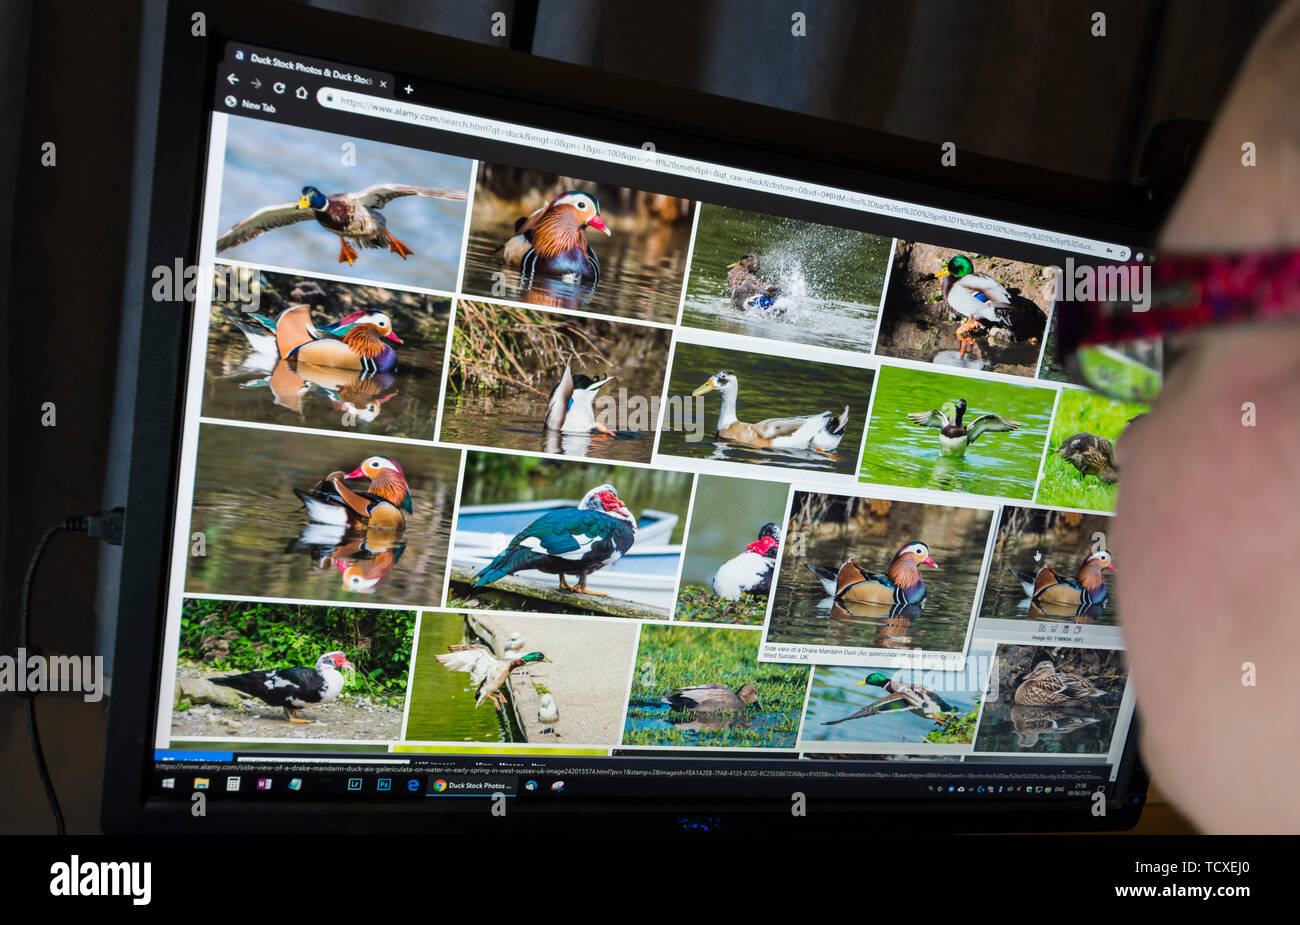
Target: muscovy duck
{"type": "Point", "coordinates": [575, 541]}
{"type": "Point", "coordinates": [751, 571]}
{"type": "Point", "coordinates": [294, 688]}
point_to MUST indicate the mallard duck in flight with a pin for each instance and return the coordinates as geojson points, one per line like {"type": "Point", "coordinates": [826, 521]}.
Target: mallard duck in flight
{"type": "Point", "coordinates": [902, 696]}
{"type": "Point", "coordinates": [571, 407]}
{"type": "Point", "coordinates": [984, 302]}
{"type": "Point", "coordinates": [954, 436]}
{"type": "Point", "coordinates": [351, 216]}
{"type": "Point", "coordinates": [819, 432]}
{"type": "Point", "coordinates": [486, 670]}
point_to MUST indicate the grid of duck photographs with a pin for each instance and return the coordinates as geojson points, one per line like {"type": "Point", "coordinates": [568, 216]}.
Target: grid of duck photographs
{"type": "Point", "coordinates": [487, 459]}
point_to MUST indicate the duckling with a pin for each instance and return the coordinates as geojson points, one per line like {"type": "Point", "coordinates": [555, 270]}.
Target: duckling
{"type": "Point", "coordinates": [1047, 687]}
{"type": "Point", "coordinates": [818, 432]}
{"type": "Point", "coordinates": [903, 696]}
{"type": "Point", "coordinates": [954, 436]}
{"type": "Point", "coordinates": [1091, 455]}
{"type": "Point", "coordinates": [571, 407]}
{"type": "Point", "coordinates": [748, 291]}
{"type": "Point", "coordinates": [985, 303]}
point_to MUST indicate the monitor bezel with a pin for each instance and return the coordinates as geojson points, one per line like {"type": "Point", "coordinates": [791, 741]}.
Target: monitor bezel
{"type": "Point", "coordinates": [596, 104]}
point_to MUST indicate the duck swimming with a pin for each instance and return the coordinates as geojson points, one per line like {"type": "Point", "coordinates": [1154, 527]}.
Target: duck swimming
{"type": "Point", "coordinates": [1086, 588]}
{"type": "Point", "coordinates": [712, 698]}
{"type": "Point", "coordinates": [1047, 687]}
{"type": "Point", "coordinates": [552, 241]}
{"type": "Point", "coordinates": [362, 340]}
{"type": "Point", "coordinates": [985, 303]}
{"type": "Point", "coordinates": [571, 407]}
{"type": "Point", "coordinates": [819, 432]}
{"type": "Point", "coordinates": [354, 217]}
{"type": "Point", "coordinates": [903, 696]}
{"type": "Point", "coordinates": [954, 436]}
{"type": "Point", "coordinates": [748, 291]}
{"type": "Point", "coordinates": [901, 583]}
{"type": "Point", "coordinates": [381, 506]}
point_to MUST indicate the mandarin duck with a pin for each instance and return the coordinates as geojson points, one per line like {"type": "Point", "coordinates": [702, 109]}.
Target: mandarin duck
{"type": "Point", "coordinates": [486, 671]}
{"type": "Point", "coordinates": [571, 406]}
{"type": "Point", "coordinates": [552, 241]}
{"type": "Point", "coordinates": [575, 541]}
{"type": "Point", "coordinates": [711, 698]}
{"type": "Point", "coordinates": [357, 341]}
{"type": "Point", "coordinates": [985, 303]}
{"type": "Point", "coordinates": [1091, 455]}
{"type": "Point", "coordinates": [1045, 686]}
{"type": "Point", "coordinates": [381, 506]}
{"type": "Point", "coordinates": [902, 696]}
{"type": "Point", "coordinates": [1086, 588]}
{"type": "Point", "coordinates": [751, 571]}
{"type": "Point", "coordinates": [901, 583]}
{"type": "Point", "coordinates": [818, 432]}
{"type": "Point", "coordinates": [293, 688]}
{"type": "Point", "coordinates": [954, 436]}
{"type": "Point", "coordinates": [748, 291]}
{"type": "Point", "coordinates": [351, 216]}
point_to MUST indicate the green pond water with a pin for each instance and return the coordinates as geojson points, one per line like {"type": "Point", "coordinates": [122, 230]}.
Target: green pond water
{"type": "Point", "coordinates": [640, 271]}
{"type": "Point", "coordinates": [442, 701]}
{"type": "Point", "coordinates": [770, 387]}
{"type": "Point", "coordinates": [832, 278]}
{"type": "Point", "coordinates": [256, 530]}
{"type": "Point", "coordinates": [899, 452]}
{"type": "Point", "coordinates": [802, 611]}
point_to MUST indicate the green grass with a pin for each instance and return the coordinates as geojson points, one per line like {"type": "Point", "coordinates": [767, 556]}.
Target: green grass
{"type": "Point", "coordinates": [1080, 411]}
{"type": "Point", "coordinates": [957, 730]}
{"type": "Point", "coordinates": [672, 657]}
{"type": "Point", "coordinates": [701, 605]}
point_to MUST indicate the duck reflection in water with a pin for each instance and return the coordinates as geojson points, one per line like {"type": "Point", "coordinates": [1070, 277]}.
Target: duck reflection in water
{"type": "Point", "coordinates": [348, 361]}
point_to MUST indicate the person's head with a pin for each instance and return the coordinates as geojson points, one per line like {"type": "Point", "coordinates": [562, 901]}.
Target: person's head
{"type": "Point", "coordinates": [1207, 512]}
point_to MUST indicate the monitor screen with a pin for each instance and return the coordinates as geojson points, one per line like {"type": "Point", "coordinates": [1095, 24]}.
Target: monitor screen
{"type": "Point", "coordinates": [515, 464]}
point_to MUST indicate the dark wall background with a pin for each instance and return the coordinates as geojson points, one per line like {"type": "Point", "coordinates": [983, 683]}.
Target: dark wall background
{"type": "Point", "coordinates": [1018, 79]}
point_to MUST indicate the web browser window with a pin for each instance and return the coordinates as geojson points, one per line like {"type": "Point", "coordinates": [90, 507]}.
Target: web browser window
{"type": "Point", "coordinates": [527, 463]}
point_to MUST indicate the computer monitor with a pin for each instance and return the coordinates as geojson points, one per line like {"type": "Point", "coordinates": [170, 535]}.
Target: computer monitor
{"type": "Point", "coordinates": [517, 440]}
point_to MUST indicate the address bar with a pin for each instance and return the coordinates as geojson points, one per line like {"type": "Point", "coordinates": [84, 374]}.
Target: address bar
{"type": "Point", "coordinates": [647, 157]}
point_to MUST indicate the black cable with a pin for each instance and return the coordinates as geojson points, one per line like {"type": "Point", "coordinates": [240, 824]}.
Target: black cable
{"type": "Point", "coordinates": [33, 733]}
{"type": "Point", "coordinates": [107, 526]}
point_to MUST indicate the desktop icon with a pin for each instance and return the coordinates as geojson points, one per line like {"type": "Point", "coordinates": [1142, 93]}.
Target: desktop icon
{"type": "Point", "coordinates": [169, 783]}
{"type": "Point", "coordinates": [232, 784]}
{"type": "Point", "coordinates": [200, 783]}
{"type": "Point", "coordinates": [264, 783]}
{"type": "Point", "coordinates": [439, 785]}
{"type": "Point", "coordinates": [558, 786]}
{"type": "Point", "coordinates": [354, 783]}
{"type": "Point", "coordinates": [412, 785]}
{"type": "Point", "coordinates": [530, 786]}
{"type": "Point", "coordinates": [295, 784]}
{"type": "Point", "coordinates": [384, 783]}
